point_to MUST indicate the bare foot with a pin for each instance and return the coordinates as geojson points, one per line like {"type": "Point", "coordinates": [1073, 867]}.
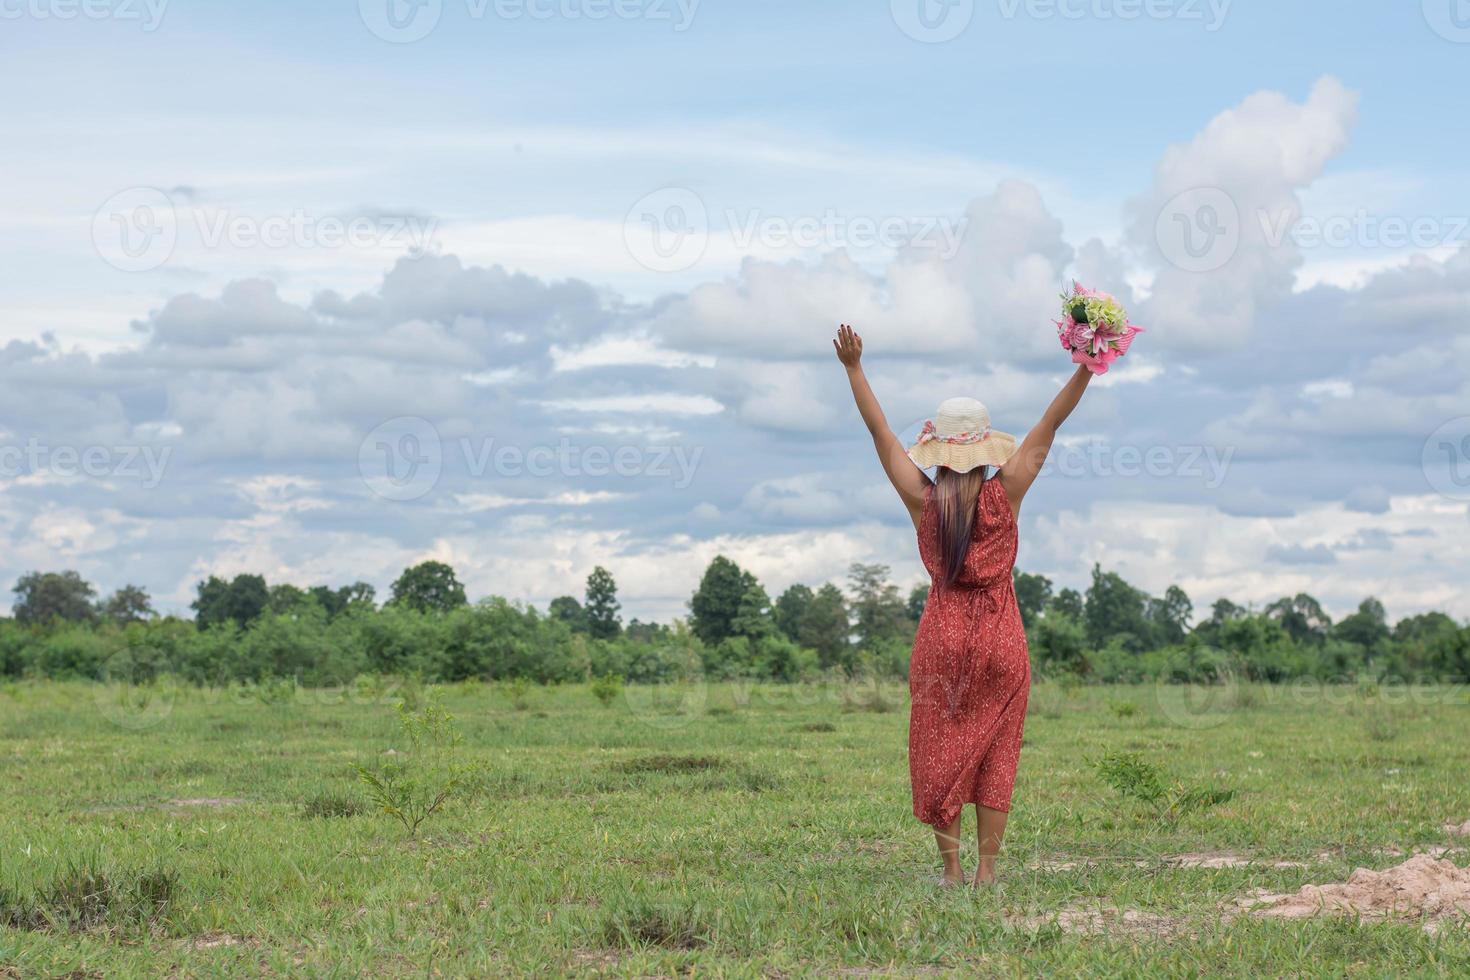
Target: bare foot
{"type": "Point", "coordinates": [951, 878]}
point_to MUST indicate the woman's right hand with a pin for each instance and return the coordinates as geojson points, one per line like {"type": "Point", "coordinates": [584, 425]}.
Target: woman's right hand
{"type": "Point", "coordinates": [849, 346]}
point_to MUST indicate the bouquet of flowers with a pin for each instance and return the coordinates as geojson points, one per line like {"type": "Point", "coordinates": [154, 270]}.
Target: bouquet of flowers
{"type": "Point", "coordinates": [1095, 328]}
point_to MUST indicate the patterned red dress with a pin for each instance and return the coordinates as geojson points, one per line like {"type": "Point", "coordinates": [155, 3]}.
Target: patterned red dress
{"type": "Point", "coordinates": [970, 674]}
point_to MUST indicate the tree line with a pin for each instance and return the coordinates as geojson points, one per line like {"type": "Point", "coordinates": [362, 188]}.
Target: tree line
{"type": "Point", "coordinates": [245, 629]}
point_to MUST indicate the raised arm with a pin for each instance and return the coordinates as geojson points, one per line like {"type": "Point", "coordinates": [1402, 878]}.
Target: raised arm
{"type": "Point", "coordinates": [1020, 471]}
{"type": "Point", "coordinates": [906, 477]}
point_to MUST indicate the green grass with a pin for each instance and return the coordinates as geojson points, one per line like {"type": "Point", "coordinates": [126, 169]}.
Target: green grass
{"type": "Point", "coordinates": [732, 830]}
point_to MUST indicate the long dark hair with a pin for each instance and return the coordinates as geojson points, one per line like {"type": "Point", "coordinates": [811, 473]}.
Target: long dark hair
{"type": "Point", "coordinates": [956, 497]}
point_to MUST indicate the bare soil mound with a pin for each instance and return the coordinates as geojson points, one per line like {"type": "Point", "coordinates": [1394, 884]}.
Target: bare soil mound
{"type": "Point", "coordinates": [1423, 888]}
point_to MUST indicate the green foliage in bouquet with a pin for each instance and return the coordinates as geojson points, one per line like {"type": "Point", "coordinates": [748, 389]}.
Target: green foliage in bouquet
{"type": "Point", "coordinates": [1095, 310]}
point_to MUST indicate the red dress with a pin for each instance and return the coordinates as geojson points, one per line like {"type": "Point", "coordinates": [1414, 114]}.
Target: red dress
{"type": "Point", "coordinates": [970, 673]}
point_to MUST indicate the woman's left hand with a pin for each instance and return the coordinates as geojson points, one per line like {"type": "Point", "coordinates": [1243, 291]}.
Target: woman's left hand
{"type": "Point", "coordinates": [849, 346]}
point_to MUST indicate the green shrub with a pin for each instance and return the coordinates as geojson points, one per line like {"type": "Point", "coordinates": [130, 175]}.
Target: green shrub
{"type": "Point", "coordinates": [607, 688]}
{"type": "Point", "coordinates": [413, 788]}
{"type": "Point", "coordinates": [1135, 778]}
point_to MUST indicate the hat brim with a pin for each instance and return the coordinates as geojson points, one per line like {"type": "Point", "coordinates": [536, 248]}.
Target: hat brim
{"type": "Point", "coordinates": [963, 457]}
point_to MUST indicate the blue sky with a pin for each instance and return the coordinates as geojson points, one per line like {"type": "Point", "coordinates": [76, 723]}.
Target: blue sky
{"type": "Point", "coordinates": [501, 170]}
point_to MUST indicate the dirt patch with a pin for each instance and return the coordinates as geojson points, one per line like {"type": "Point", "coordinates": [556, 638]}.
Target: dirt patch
{"type": "Point", "coordinates": [1210, 861]}
{"type": "Point", "coordinates": [1423, 888]}
{"type": "Point", "coordinates": [208, 802]}
{"type": "Point", "coordinates": [1433, 850]}
{"type": "Point", "coordinates": [1204, 860]}
{"type": "Point", "coordinates": [1080, 919]}
{"type": "Point", "coordinates": [218, 940]}
{"type": "Point", "coordinates": [598, 959]}
{"type": "Point", "coordinates": [1458, 830]}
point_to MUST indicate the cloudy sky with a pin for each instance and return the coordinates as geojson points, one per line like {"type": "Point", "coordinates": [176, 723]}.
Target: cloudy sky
{"type": "Point", "coordinates": [322, 290]}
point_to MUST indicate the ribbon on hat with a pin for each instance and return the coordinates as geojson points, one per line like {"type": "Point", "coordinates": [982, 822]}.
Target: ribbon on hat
{"type": "Point", "coordinates": [931, 434]}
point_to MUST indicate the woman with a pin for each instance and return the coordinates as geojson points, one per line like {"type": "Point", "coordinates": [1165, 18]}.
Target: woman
{"type": "Point", "coordinates": [969, 675]}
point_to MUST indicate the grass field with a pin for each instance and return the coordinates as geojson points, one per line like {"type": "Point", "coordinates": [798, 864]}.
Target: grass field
{"type": "Point", "coordinates": [731, 830]}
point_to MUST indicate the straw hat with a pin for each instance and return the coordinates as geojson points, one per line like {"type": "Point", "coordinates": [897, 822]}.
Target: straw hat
{"type": "Point", "coordinates": [960, 437]}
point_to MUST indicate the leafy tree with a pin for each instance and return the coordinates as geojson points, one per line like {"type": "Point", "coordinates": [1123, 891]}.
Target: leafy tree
{"type": "Point", "coordinates": [568, 610]}
{"type": "Point", "coordinates": [1069, 603]}
{"type": "Point", "coordinates": [42, 597]}
{"type": "Point", "coordinates": [358, 595]}
{"type": "Point", "coordinates": [791, 610]}
{"type": "Point", "coordinates": [428, 587]}
{"type": "Point", "coordinates": [240, 601]}
{"type": "Point", "coordinates": [1223, 611]}
{"type": "Point", "coordinates": [1368, 627]}
{"type": "Point", "coordinates": [1114, 608]}
{"type": "Point", "coordinates": [716, 603]}
{"type": "Point", "coordinates": [1033, 592]}
{"type": "Point", "coordinates": [649, 633]}
{"type": "Point", "coordinates": [1059, 643]}
{"type": "Point", "coordinates": [1302, 618]}
{"type": "Point", "coordinates": [129, 604]}
{"type": "Point", "coordinates": [287, 599]}
{"type": "Point", "coordinates": [1170, 615]}
{"type": "Point", "coordinates": [826, 628]}
{"type": "Point", "coordinates": [879, 612]}
{"type": "Point", "coordinates": [918, 599]}
{"type": "Point", "coordinates": [602, 605]}
{"type": "Point", "coordinates": [753, 619]}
